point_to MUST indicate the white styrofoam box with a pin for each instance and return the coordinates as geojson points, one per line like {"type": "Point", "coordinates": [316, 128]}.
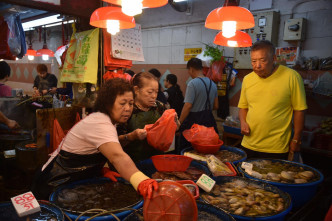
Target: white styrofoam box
{"type": "Point", "coordinates": [165, 37]}
{"type": "Point", "coordinates": [25, 204]}
{"type": "Point", "coordinates": [206, 183]}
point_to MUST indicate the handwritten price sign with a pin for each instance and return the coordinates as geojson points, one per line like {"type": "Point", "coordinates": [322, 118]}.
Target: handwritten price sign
{"type": "Point", "coordinates": [25, 204]}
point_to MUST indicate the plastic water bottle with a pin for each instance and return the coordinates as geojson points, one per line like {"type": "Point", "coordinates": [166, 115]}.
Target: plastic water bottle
{"type": "Point", "coordinates": [56, 103]}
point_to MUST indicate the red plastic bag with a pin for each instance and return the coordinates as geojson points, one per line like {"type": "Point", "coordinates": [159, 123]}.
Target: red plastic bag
{"type": "Point", "coordinates": [109, 61]}
{"type": "Point", "coordinates": [58, 134]}
{"type": "Point", "coordinates": [160, 135]}
{"type": "Point", "coordinates": [216, 71]}
{"type": "Point", "coordinates": [116, 74]}
{"type": "Point", "coordinates": [201, 135]}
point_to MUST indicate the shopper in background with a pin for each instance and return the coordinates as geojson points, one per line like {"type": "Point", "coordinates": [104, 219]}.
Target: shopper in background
{"type": "Point", "coordinates": [44, 82]}
{"type": "Point", "coordinates": [11, 124]}
{"type": "Point", "coordinates": [200, 99]}
{"type": "Point", "coordinates": [271, 96]}
{"type": "Point", "coordinates": [130, 72]}
{"type": "Point", "coordinates": [91, 142]}
{"type": "Point", "coordinates": [147, 110]}
{"type": "Point", "coordinates": [5, 90]}
{"type": "Point", "coordinates": [173, 93]}
{"type": "Point", "coordinates": [160, 97]}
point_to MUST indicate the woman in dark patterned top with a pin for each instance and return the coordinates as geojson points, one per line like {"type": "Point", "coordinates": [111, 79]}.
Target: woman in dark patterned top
{"type": "Point", "coordinates": [147, 110]}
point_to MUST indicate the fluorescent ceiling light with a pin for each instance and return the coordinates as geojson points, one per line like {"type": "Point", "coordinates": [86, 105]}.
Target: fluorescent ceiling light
{"type": "Point", "coordinates": [41, 22]}
{"type": "Point", "coordinates": [179, 0]}
{"type": "Point", "coordinates": [59, 23]}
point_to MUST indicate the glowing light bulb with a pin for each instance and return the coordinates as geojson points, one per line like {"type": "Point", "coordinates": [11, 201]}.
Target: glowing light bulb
{"type": "Point", "coordinates": [232, 43]}
{"type": "Point", "coordinates": [132, 7]}
{"type": "Point", "coordinates": [228, 29]}
{"type": "Point", "coordinates": [31, 57]}
{"type": "Point", "coordinates": [45, 57]}
{"type": "Point", "coordinates": [113, 26]}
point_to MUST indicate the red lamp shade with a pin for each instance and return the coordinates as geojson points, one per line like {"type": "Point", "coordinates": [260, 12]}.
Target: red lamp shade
{"type": "Point", "coordinates": [31, 52]}
{"type": "Point", "coordinates": [241, 39]}
{"type": "Point", "coordinates": [243, 17]}
{"type": "Point", "coordinates": [45, 51]}
{"type": "Point", "coordinates": [101, 15]}
{"type": "Point", "coordinates": [146, 3]}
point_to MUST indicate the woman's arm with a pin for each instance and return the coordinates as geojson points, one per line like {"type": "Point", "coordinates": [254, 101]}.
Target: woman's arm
{"type": "Point", "coordinates": [120, 160]}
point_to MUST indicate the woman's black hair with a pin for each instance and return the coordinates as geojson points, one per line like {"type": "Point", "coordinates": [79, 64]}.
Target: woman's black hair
{"type": "Point", "coordinates": [155, 72]}
{"type": "Point", "coordinates": [137, 80]}
{"type": "Point", "coordinates": [4, 70]}
{"type": "Point", "coordinates": [172, 79]}
{"type": "Point", "coordinates": [108, 93]}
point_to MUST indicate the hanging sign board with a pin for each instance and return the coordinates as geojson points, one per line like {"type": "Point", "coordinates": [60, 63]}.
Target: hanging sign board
{"type": "Point", "coordinates": [127, 44]}
{"type": "Point", "coordinates": [287, 54]}
{"type": "Point", "coordinates": [191, 53]}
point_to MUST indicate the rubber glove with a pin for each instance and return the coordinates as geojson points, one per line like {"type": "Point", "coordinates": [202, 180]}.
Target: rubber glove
{"type": "Point", "coordinates": [143, 184]}
{"type": "Point", "coordinates": [110, 174]}
{"type": "Point", "coordinates": [146, 187]}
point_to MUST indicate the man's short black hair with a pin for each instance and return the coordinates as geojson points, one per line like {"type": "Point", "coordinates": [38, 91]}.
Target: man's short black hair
{"type": "Point", "coordinates": [4, 70]}
{"type": "Point", "coordinates": [195, 63]}
{"type": "Point", "coordinates": [263, 44]}
{"type": "Point", "coordinates": [155, 72]}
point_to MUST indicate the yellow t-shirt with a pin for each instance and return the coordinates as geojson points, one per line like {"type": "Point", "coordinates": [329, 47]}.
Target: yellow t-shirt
{"type": "Point", "coordinates": [270, 103]}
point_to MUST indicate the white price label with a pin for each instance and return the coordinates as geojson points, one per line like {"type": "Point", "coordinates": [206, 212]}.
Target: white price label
{"type": "Point", "coordinates": [25, 204]}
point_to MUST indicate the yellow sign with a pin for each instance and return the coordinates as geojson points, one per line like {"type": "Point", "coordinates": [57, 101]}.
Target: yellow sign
{"type": "Point", "coordinates": [191, 53]}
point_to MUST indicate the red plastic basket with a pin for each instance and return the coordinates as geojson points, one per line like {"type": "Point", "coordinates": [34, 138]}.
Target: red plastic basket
{"type": "Point", "coordinates": [207, 148]}
{"type": "Point", "coordinates": [171, 162]}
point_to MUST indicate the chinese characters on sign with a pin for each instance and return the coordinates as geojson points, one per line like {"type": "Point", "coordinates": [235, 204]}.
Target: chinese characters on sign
{"type": "Point", "coordinates": [25, 204]}
{"type": "Point", "coordinates": [191, 53]}
{"type": "Point", "coordinates": [288, 54]}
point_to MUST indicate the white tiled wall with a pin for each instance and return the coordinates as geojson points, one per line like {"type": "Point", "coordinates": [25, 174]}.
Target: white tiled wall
{"type": "Point", "coordinates": [166, 45]}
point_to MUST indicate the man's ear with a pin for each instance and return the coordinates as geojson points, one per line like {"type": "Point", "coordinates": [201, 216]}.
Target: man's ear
{"type": "Point", "coordinates": [136, 89]}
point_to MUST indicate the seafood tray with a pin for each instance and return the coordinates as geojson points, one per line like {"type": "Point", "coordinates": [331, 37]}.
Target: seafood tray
{"type": "Point", "coordinates": [239, 155]}
{"type": "Point", "coordinates": [206, 212]}
{"type": "Point", "coordinates": [147, 167]}
{"type": "Point", "coordinates": [301, 193]}
{"type": "Point", "coordinates": [247, 199]}
{"type": "Point", "coordinates": [98, 193]}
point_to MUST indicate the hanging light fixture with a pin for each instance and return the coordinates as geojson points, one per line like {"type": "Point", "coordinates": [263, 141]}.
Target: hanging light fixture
{"type": "Point", "coordinates": [230, 18]}
{"type": "Point", "coordinates": [240, 39]}
{"type": "Point", "coordinates": [30, 52]}
{"type": "Point", "coordinates": [111, 18]}
{"type": "Point", "coordinates": [45, 52]}
{"type": "Point", "coordinates": [134, 7]}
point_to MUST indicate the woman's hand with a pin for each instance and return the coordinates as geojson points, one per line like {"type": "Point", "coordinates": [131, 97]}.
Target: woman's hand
{"type": "Point", "coordinates": [178, 124]}
{"type": "Point", "coordinates": [12, 124]}
{"type": "Point", "coordinates": [139, 134]}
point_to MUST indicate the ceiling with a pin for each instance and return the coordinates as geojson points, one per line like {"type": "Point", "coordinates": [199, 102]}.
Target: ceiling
{"type": "Point", "coordinates": [26, 14]}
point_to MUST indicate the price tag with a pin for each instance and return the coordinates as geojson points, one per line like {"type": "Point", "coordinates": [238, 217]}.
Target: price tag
{"type": "Point", "coordinates": [206, 183]}
{"type": "Point", "coordinates": [25, 204]}
{"type": "Point", "coordinates": [246, 165]}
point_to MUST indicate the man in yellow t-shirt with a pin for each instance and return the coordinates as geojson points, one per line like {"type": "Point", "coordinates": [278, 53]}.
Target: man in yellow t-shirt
{"type": "Point", "coordinates": [271, 96]}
